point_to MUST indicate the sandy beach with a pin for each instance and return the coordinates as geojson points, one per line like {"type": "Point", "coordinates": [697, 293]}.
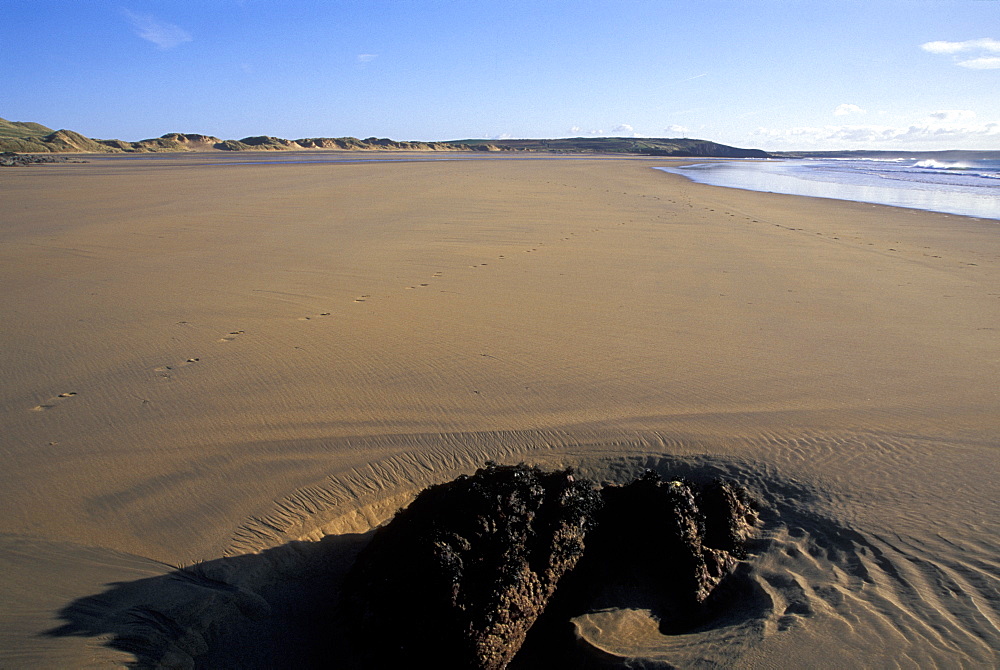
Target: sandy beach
{"type": "Point", "coordinates": [241, 369]}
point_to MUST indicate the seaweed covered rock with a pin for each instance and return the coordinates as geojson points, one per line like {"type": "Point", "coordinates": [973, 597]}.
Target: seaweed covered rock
{"type": "Point", "coordinates": [460, 575]}
{"type": "Point", "coordinates": [730, 516]}
{"type": "Point", "coordinates": [665, 546]}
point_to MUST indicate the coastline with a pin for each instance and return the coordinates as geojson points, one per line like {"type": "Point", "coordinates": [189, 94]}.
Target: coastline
{"type": "Point", "coordinates": [852, 184]}
{"type": "Point", "coordinates": [204, 365]}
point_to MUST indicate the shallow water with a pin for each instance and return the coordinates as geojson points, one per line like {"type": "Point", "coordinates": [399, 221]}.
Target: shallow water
{"type": "Point", "coordinates": [968, 188]}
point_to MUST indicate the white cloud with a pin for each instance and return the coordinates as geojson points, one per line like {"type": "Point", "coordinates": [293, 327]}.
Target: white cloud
{"type": "Point", "coordinates": [676, 129]}
{"type": "Point", "coordinates": [845, 109]}
{"type": "Point", "coordinates": [981, 48]}
{"type": "Point", "coordinates": [366, 58]}
{"type": "Point", "coordinates": [620, 130]}
{"type": "Point", "coordinates": [941, 47]}
{"type": "Point", "coordinates": [162, 34]}
{"type": "Point", "coordinates": [992, 63]}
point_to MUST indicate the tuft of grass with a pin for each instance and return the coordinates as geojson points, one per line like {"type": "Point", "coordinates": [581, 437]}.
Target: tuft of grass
{"type": "Point", "coordinates": [22, 129]}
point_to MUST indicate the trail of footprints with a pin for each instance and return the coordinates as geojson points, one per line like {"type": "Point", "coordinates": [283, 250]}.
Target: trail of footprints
{"type": "Point", "coordinates": [438, 275]}
{"type": "Point", "coordinates": [533, 249]}
{"type": "Point", "coordinates": [166, 371]}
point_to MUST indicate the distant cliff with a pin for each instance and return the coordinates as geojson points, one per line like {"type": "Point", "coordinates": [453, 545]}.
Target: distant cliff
{"type": "Point", "coordinates": [647, 146]}
{"type": "Point", "coordinates": [26, 137]}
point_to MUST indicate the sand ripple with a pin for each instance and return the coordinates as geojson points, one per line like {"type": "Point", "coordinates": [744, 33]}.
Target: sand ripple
{"type": "Point", "coordinates": [826, 578]}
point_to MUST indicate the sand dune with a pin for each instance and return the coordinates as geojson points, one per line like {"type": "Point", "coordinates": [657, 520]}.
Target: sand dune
{"type": "Point", "coordinates": [219, 378]}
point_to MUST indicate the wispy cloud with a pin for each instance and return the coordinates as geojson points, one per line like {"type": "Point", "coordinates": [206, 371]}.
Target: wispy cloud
{"type": "Point", "coordinates": [951, 116]}
{"type": "Point", "coordinates": [981, 63]}
{"type": "Point", "coordinates": [980, 48]}
{"type": "Point", "coordinates": [954, 128]}
{"type": "Point", "coordinates": [846, 109]}
{"type": "Point", "coordinates": [677, 130]}
{"type": "Point", "coordinates": [164, 35]}
{"type": "Point", "coordinates": [697, 76]}
{"type": "Point", "coordinates": [364, 59]}
{"type": "Point", "coordinates": [578, 130]}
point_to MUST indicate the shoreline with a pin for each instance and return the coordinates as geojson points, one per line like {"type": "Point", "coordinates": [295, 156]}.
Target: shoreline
{"type": "Point", "coordinates": [209, 366]}
{"type": "Point", "coordinates": [327, 156]}
{"type": "Point", "coordinates": [953, 203]}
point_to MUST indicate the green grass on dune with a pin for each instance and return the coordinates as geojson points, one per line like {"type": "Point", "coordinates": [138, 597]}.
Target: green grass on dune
{"type": "Point", "coordinates": [22, 129]}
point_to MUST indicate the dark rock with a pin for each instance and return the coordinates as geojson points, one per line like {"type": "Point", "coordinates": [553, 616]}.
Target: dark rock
{"type": "Point", "coordinates": [460, 576]}
{"type": "Point", "coordinates": [663, 545]}
{"type": "Point", "coordinates": [730, 516]}
{"type": "Point", "coordinates": [12, 159]}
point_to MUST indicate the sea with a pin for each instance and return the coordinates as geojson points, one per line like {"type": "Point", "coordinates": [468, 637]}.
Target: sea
{"type": "Point", "coordinates": [965, 187]}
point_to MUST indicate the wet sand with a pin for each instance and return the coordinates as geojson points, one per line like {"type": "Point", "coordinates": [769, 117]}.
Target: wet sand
{"type": "Point", "coordinates": [240, 370]}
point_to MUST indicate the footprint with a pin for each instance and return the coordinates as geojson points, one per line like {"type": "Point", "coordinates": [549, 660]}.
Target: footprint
{"type": "Point", "coordinates": [231, 336]}
{"type": "Point", "coordinates": [310, 318]}
{"type": "Point", "coordinates": [52, 402]}
{"type": "Point", "coordinates": [164, 368]}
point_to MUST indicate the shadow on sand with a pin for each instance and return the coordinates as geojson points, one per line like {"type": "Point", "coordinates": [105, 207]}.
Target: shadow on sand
{"type": "Point", "coordinates": [281, 607]}
{"type": "Point", "coordinates": [271, 609]}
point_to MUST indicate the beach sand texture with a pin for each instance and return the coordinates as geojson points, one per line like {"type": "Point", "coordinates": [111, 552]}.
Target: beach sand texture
{"type": "Point", "coordinates": [242, 369]}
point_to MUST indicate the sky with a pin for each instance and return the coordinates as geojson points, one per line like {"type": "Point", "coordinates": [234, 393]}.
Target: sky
{"type": "Point", "coordinates": [768, 74]}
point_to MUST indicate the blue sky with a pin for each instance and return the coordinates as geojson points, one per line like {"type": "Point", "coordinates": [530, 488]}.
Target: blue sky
{"type": "Point", "coordinates": [772, 74]}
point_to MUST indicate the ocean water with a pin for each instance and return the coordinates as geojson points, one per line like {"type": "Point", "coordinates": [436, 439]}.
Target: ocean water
{"type": "Point", "coordinates": [969, 188]}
